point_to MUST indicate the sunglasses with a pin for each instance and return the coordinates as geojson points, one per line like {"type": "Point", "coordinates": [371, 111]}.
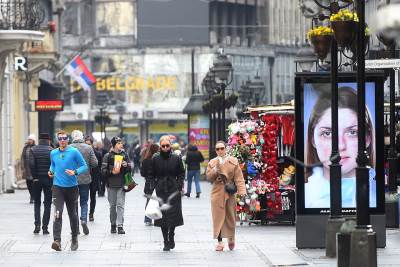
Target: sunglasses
{"type": "Point", "coordinates": [165, 146]}
{"type": "Point", "coordinates": [62, 138]}
{"type": "Point", "coordinates": [220, 148]}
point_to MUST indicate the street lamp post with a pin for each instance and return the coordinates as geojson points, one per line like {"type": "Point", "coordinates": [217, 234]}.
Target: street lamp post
{"type": "Point", "coordinates": [257, 88]}
{"type": "Point", "coordinates": [388, 27]}
{"type": "Point", "coordinates": [121, 110]}
{"type": "Point", "coordinates": [335, 219]}
{"type": "Point", "coordinates": [222, 69]}
{"type": "Point", "coordinates": [363, 238]}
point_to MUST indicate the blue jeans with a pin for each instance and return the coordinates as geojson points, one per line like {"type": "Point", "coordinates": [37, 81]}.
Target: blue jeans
{"type": "Point", "coordinates": [196, 175]}
{"type": "Point", "coordinates": [83, 200]}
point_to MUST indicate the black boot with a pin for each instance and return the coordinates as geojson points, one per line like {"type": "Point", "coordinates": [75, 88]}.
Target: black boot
{"type": "Point", "coordinates": [171, 239]}
{"type": "Point", "coordinates": [45, 230]}
{"type": "Point", "coordinates": [166, 246]}
{"type": "Point", "coordinates": [121, 230]}
{"type": "Point", "coordinates": [187, 194]}
{"type": "Point", "coordinates": [197, 195]}
{"type": "Point", "coordinates": [37, 229]}
{"type": "Point", "coordinates": [74, 243]}
{"type": "Point", "coordinates": [113, 229]}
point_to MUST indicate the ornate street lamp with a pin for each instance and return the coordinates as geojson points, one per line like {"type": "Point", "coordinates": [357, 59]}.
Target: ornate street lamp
{"type": "Point", "coordinates": [388, 20]}
{"type": "Point", "coordinates": [305, 59]}
{"type": "Point", "coordinates": [221, 70]}
{"type": "Point", "coordinates": [256, 87]}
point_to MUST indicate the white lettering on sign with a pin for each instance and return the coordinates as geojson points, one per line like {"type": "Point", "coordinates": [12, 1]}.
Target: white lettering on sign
{"type": "Point", "coordinates": [382, 64]}
{"type": "Point", "coordinates": [20, 64]}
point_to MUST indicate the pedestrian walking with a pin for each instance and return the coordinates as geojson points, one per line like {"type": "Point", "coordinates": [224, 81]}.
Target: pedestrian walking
{"type": "Point", "coordinates": [26, 171]}
{"type": "Point", "coordinates": [193, 160]}
{"type": "Point", "coordinates": [145, 171]}
{"type": "Point", "coordinates": [114, 166]}
{"type": "Point", "coordinates": [224, 172]}
{"type": "Point", "coordinates": [168, 173]}
{"type": "Point", "coordinates": [96, 177]}
{"type": "Point", "coordinates": [66, 164]}
{"type": "Point", "coordinates": [84, 179]}
{"type": "Point", "coordinates": [39, 163]}
{"type": "Point", "coordinates": [100, 151]}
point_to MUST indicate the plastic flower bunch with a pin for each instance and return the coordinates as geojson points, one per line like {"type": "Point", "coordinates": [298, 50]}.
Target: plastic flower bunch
{"type": "Point", "coordinates": [233, 128]}
{"type": "Point", "coordinates": [321, 30]}
{"type": "Point", "coordinates": [344, 15]}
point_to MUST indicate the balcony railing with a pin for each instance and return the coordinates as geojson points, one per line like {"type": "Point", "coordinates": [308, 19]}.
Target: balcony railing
{"type": "Point", "coordinates": [21, 14]}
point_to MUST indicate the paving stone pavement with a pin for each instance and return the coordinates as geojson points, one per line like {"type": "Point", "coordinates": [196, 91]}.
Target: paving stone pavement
{"type": "Point", "coordinates": [272, 245]}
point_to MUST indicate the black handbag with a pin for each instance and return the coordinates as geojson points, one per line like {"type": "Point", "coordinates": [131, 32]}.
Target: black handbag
{"type": "Point", "coordinates": [231, 188]}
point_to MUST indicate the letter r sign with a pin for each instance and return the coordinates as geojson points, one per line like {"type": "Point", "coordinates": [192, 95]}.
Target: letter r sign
{"type": "Point", "coordinates": [20, 63]}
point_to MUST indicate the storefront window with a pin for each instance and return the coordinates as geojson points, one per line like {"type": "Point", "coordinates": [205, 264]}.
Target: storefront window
{"type": "Point", "coordinates": [115, 18]}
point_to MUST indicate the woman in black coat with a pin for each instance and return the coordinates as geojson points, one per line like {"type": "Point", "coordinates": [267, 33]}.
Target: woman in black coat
{"type": "Point", "coordinates": [145, 172]}
{"type": "Point", "coordinates": [168, 173]}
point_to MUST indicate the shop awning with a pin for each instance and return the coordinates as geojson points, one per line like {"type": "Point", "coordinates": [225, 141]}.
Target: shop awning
{"type": "Point", "coordinates": [285, 107]}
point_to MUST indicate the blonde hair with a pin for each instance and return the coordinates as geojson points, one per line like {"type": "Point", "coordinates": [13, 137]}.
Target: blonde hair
{"type": "Point", "coordinates": [165, 138]}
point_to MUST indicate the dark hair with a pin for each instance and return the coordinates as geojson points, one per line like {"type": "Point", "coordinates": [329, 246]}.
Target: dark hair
{"type": "Point", "coordinates": [150, 151]}
{"type": "Point", "coordinates": [88, 138]}
{"type": "Point", "coordinates": [347, 99]}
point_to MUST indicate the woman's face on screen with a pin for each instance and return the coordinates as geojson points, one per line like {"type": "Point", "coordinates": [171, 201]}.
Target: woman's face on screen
{"type": "Point", "coordinates": [348, 140]}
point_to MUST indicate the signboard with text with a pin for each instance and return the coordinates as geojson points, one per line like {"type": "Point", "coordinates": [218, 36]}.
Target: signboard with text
{"type": "Point", "coordinates": [199, 133]}
{"type": "Point", "coordinates": [49, 105]}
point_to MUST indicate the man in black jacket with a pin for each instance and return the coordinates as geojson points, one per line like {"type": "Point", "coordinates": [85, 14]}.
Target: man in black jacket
{"type": "Point", "coordinates": [39, 163]}
{"type": "Point", "coordinates": [193, 160]}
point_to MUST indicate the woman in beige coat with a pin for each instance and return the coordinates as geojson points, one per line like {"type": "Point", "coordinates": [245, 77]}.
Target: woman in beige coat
{"type": "Point", "coordinates": [221, 170]}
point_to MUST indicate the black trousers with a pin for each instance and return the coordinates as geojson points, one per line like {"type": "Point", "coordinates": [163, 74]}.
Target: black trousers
{"type": "Point", "coordinates": [37, 189]}
{"type": "Point", "coordinates": [69, 196]}
{"type": "Point", "coordinates": [29, 184]}
{"type": "Point", "coordinates": [93, 188]}
{"type": "Point", "coordinates": [102, 185]}
{"type": "Point", "coordinates": [168, 233]}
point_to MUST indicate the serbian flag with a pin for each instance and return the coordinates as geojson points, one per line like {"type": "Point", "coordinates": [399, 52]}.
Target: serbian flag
{"type": "Point", "coordinates": [78, 70]}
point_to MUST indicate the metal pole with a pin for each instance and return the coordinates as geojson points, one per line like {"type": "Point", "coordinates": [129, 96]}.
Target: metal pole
{"type": "Point", "coordinates": [335, 220]}
{"type": "Point", "coordinates": [223, 86]}
{"type": "Point", "coordinates": [363, 238]}
{"type": "Point", "coordinates": [391, 205]}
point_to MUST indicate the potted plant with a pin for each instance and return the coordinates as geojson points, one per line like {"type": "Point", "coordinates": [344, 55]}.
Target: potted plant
{"type": "Point", "coordinates": [321, 38]}
{"type": "Point", "coordinates": [344, 25]}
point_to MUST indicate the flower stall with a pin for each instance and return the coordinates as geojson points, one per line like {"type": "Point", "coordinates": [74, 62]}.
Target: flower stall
{"type": "Point", "coordinates": [262, 145]}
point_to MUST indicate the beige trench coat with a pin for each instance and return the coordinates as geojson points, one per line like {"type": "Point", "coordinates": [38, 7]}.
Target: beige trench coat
{"type": "Point", "coordinates": [223, 206]}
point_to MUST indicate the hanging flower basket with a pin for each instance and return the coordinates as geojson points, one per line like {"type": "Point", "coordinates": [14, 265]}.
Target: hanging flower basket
{"type": "Point", "coordinates": [321, 39]}
{"type": "Point", "coordinates": [344, 32]}
{"type": "Point", "coordinates": [344, 25]}
{"type": "Point", "coordinates": [322, 45]}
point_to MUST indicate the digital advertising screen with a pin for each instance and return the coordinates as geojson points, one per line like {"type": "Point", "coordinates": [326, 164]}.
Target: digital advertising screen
{"type": "Point", "coordinates": [316, 138]}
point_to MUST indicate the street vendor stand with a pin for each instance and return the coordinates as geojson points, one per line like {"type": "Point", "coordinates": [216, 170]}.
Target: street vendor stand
{"type": "Point", "coordinates": [263, 144]}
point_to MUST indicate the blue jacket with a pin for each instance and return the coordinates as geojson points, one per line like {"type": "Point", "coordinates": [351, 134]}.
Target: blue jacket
{"type": "Point", "coordinates": [70, 159]}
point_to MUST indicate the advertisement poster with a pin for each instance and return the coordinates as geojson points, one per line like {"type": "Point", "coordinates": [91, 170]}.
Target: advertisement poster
{"type": "Point", "coordinates": [199, 133]}
{"type": "Point", "coordinates": [318, 142]}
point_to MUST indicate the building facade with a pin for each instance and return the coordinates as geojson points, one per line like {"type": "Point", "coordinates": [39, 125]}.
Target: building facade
{"type": "Point", "coordinates": [141, 54]}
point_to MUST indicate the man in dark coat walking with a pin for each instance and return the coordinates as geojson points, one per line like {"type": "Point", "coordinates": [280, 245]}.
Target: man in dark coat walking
{"type": "Point", "coordinates": [168, 173]}
{"type": "Point", "coordinates": [193, 160]}
{"type": "Point", "coordinates": [39, 163]}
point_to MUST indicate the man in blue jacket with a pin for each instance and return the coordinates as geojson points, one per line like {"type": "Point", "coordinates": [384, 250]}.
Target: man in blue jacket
{"type": "Point", "coordinates": [66, 164]}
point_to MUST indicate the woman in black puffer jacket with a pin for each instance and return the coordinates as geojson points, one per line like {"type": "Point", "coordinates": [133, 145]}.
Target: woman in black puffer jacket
{"type": "Point", "coordinates": [168, 173]}
{"type": "Point", "coordinates": [145, 172]}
